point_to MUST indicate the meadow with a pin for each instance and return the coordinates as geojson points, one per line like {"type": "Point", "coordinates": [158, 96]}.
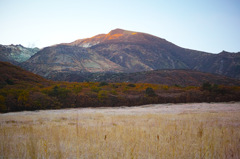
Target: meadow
{"type": "Point", "coordinates": [197, 130]}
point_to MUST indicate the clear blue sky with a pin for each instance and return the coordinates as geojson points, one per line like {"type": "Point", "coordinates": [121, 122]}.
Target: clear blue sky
{"type": "Point", "coordinates": [206, 25]}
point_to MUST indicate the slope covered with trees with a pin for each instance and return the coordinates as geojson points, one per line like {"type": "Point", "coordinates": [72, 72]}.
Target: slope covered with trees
{"type": "Point", "coordinates": [164, 77]}
{"type": "Point", "coordinates": [22, 90]}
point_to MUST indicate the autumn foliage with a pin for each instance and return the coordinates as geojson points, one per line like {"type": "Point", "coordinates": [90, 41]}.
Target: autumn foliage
{"type": "Point", "coordinates": [21, 90]}
{"type": "Point", "coordinates": [54, 95]}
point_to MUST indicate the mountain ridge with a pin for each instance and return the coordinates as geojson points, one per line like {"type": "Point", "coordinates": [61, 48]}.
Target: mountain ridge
{"type": "Point", "coordinates": [16, 53]}
{"type": "Point", "coordinates": [128, 51]}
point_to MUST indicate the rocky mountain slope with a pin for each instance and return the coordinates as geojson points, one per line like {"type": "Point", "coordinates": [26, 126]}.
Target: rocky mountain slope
{"type": "Point", "coordinates": [64, 58]}
{"type": "Point", "coordinates": [16, 53]}
{"type": "Point", "coordinates": [127, 51]}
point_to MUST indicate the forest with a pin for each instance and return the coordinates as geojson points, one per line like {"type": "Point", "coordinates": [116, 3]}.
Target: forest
{"type": "Point", "coordinates": [22, 90]}
{"type": "Point", "coordinates": [55, 95]}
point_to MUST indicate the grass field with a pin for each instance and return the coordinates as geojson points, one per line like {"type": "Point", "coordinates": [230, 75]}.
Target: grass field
{"type": "Point", "coordinates": [154, 131]}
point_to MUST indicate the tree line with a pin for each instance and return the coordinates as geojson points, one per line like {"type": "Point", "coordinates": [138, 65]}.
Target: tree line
{"type": "Point", "coordinates": [56, 95]}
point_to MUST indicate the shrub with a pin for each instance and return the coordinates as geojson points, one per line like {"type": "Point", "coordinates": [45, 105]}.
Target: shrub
{"type": "Point", "coordinates": [212, 88]}
{"type": "Point", "coordinates": [206, 86]}
{"type": "Point", "coordinates": [77, 89]}
{"type": "Point", "coordinates": [95, 89]}
{"type": "Point", "coordinates": [10, 82]}
{"type": "Point", "coordinates": [23, 98]}
{"type": "Point", "coordinates": [165, 87]}
{"type": "Point", "coordinates": [131, 85]}
{"type": "Point", "coordinates": [3, 107]}
{"type": "Point", "coordinates": [115, 86]}
{"type": "Point", "coordinates": [103, 84]}
{"type": "Point", "coordinates": [114, 92]}
{"type": "Point", "coordinates": [178, 86]}
{"type": "Point", "coordinates": [43, 101]}
{"type": "Point", "coordinates": [150, 92]}
{"type": "Point", "coordinates": [59, 92]}
{"type": "Point", "coordinates": [102, 95]}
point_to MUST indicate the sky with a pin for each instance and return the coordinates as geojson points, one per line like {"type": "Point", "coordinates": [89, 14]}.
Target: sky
{"type": "Point", "coordinates": [204, 25]}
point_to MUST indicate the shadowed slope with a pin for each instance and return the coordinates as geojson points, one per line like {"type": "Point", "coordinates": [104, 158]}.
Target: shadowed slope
{"type": "Point", "coordinates": [11, 74]}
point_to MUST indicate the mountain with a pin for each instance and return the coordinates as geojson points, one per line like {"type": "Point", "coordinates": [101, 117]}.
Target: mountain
{"type": "Point", "coordinates": [132, 50]}
{"type": "Point", "coordinates": [16, 53]}
{"type": "Point", "coordinates": [127, 51]}
{"type": "Point", "coordinates": [224, 63]}
{"type": "Point", "coordinates": [64, 58]}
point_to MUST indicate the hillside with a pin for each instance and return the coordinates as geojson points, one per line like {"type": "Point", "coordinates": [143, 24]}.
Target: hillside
{"type": "Point", "coordinates": [21, 90]}
{"type": "Point", "coordinates": [128, 51]}
{"type": "Point", "coordinates": [64, 58]}
{"type": "Point", "coordinates": [13, 75]}
{"type": "Point", "coordinates": [164, 77]}
{"type": "Point", "coordinates": [16, 53]}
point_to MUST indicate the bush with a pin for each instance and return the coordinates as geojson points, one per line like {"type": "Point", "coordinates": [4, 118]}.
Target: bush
{"type": "Point", "coordinates": [150, 92]}
{"type": "Point", "coordinates": [178, 86]}
{"type": "Point", "coordinates": [131, 85]}
{"type": "Point", "coordinates": [102, 95]}
{"type": "Point", "coordinates": [43, 101]}
{"type": "Point", "coordinates": [165, 87]}
{"type": "Point", "coordinates": [59, 92]}
{"type": "Point", "coordinates": [3, 107]}
{"type": "Point", "coordinates": [115, 86]}
{"type": "Point", "coordinates": [212, 88]}
{"type": "Point", "coordinates": [95, 89]}
{"type": "Point", "coordinates": [10, 82]}
{"type": "Point", "coordinates": [103, 84]}
{"type": "Point", "coordinates": [77, 89]}
{"type": "Point", "coordinates": [206, 86]}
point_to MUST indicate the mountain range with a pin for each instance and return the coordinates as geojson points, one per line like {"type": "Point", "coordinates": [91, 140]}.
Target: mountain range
{"type": "Point", "coordinates": [16, 53]}
{"type": "Point", "coordinates": [127, 51]}
{"type": "Point", "coordinates": [119, 51]}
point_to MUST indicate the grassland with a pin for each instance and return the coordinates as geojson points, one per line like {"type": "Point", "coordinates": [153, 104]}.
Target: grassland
{"type": "Point", "coordinates": [153, 131]}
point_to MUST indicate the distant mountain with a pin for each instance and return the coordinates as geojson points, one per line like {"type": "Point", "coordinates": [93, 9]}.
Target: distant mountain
{"type": "Point", "coordinates": [16, 53]}
{"type": "Point", "coordinates": [164, 77]}
{"type": "Point", "coordinates": [127, 51]}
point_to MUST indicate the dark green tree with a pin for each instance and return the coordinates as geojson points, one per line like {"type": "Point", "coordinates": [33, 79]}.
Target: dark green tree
{"type": "Point", "coordinates": [103, 84]}
{"type": "Point", "coordinates": [150, 92]}
{"type": "Point", "coordinates": [206, 86]}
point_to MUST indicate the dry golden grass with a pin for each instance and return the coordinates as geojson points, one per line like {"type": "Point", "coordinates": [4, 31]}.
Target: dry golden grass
{"type": "Point", "coordinates": [94, 133]}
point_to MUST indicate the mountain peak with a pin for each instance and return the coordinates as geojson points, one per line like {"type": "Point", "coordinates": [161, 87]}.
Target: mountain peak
{"type": "Point", "coordinates": [113, 35]}
{"type": "Point", "coordinates": [120, 31]}
{"type": "Point", "coordinates": [116, 31]}
{"type": "Point", "coordinates": [128, 51]}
